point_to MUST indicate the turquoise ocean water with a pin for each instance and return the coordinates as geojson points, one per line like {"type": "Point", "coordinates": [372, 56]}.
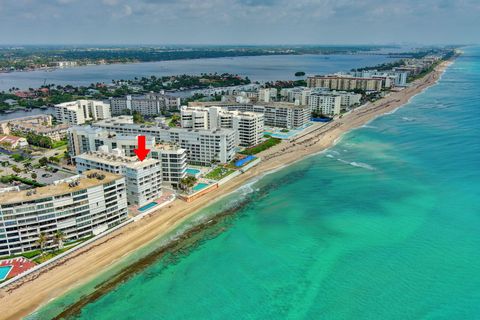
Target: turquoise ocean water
{"type": "Point", "coordinates": [385, 225]}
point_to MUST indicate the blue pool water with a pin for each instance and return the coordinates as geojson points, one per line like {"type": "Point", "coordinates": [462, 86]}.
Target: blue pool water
{"type": "Point", "coordinates": [200, 186]}
{"type": "Point", "coordinates": [243, 161]}
{"type": "Point", "coordinates": [4, 270]}
{"type": "Point", "coordinates": [192, 172]}
{"type": "Point", "coordinates": [148, 206]}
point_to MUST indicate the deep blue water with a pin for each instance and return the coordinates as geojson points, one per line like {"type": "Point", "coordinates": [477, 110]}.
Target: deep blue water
{"type": "Point", "coordinates": [384, 225]}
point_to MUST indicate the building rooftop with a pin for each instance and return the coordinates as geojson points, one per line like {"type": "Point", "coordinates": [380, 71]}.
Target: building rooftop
{"type": "Point", "coordinates": [116, 160]}
{"type": "Point", "coordinates": [87, 180]}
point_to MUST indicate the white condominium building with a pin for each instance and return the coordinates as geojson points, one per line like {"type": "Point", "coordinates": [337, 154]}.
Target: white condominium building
{"type": "Point", "coordinates": [79, 206]}
{"type": "Point", "coordinates": [267, 94]}
{"type": "Point", "coordinates": [325, 103]}
{"type": "Point", "coordinates": [143, 179]}
{"type": "Point", "coordinates": [150, 104]}
{"type": "Point", "coordinates": [174, 163]}
{"type": "Point", "coordinates": [87, 138]}
{"type": "Point", "coordinates": [203, 146]}
{"type": "Point", "coordinates": [80, 111]}
{"type": "Point", "coordinates": [82, 139]}
{"type": "Point", "coordinates": [276, 114]}
{"type": "Point", "coordinates": [248, 125]}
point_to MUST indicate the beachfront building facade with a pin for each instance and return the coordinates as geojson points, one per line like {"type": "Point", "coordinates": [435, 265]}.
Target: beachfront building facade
{"type": "Point", "coordinates": [174, 163]}
{"type": "Point", "coordinates": [81, 111]}
{"type": "Point", "coordinates": [248, 125]}
{"type": "Point", "coordinates": [143, 179]}
{"type": "Point", "coordinates": [149, 105]}
{"type": "Point", "coordinates": [79, 206]}
{"type": "Point", "coordinates": [325, 103]}
{"type": "Point", "coordinates": [345, 82]}
{"type": "Point", "coordinates": [203, 147]}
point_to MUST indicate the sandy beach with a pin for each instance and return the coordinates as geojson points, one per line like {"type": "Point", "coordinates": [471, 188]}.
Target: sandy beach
{"type": "Point", "coordinates": [26, 295]}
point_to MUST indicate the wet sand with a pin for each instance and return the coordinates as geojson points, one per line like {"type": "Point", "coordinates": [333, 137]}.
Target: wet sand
{"type": "Point", "coordinates": [25, 296]}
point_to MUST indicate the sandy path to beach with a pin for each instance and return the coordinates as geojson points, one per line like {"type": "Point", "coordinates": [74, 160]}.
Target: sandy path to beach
{"type": "Point", "coordinates": [23, 297]}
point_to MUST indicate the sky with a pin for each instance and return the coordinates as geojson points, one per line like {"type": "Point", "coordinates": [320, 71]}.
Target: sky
{"type": "Point", "coordinates": [239, 21]}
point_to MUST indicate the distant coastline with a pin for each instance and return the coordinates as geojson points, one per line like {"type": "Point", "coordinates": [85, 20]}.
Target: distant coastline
{"type": "Point", "coordinates": [84, 266]}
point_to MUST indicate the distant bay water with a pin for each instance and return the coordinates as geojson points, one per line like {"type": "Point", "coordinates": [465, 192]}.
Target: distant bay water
{"type": "Point", "coordinates": [257, 68]}
{"type": "Point", "coordinates": [384, 225]}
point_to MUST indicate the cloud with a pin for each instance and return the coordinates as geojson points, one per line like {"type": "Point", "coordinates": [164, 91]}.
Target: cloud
{"type": "Point", "coordinates": [239, 21]}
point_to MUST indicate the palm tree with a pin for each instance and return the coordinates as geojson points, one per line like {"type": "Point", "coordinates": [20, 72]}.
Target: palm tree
{"type": "Point", "coordinates": [187, 183]}
{"type": "Point", "coordinates": [58, 239]}
{"type": "Point", "coordinates": [42, 241]}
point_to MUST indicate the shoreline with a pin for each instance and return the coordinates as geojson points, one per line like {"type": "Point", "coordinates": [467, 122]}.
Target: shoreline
{"type": "Point", "coordinates": [24, 297]}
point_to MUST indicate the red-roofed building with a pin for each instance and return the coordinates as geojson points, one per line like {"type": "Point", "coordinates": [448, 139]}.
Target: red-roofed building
{"type": "Point", "coordinates": [13, 142]}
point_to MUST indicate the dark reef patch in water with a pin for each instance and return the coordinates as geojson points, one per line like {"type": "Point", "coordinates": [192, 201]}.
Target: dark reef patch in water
{"type": "Point", "coordinates": [171, 254]}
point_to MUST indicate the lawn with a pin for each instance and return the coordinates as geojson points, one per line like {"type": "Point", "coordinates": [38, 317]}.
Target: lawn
{"type": "Point", "coordinates": [219, 173]}
{"type": "Point", "coordinates": [270, 142]}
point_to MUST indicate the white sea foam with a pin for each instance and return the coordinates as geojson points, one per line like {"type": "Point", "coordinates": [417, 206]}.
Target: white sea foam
{"type": "Point", "coordinates": [362, 165]}
{"type": "Point", "coordinates": [357, 164]}
{"type": "Point", "coordinates": [408, 119]}
{"type": "Point", "coordinates": [330, 156]}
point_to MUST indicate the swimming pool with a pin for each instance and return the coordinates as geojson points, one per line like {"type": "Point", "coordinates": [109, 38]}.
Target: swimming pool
{"type": "Point", "coordinates": [192, 172]}
{"type": "Point", "coordinates": [4, 270]}
{"type": "Point", "coordinates": [147, 206]}
{"type": "Point", "coordinates": [200, 186]}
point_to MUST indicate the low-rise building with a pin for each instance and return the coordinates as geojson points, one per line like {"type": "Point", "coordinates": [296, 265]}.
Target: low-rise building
{"type": "Point", "coordinates": [40, 125]}
{"type": "Point", "coordinates": [79, 206]}
{"type": "Point", "coordinates": [143, 179]}
{"type": "Point", "coordinates": [81, 111]}
{"type": "Point", "coordinates": [13, 142]}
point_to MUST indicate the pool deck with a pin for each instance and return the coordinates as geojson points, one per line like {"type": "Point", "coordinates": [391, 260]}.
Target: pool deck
{"type": "Point", "coordinates": [18, 265]}
{"type": "Point", "coordinates": [166, 197]}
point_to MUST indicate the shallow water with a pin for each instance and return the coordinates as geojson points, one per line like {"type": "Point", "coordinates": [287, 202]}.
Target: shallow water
{"type": "Point", "coordinates": [385, 225]}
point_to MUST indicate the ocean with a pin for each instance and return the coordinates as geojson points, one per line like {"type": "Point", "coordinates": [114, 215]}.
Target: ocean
{"type": "Point", "coordinates": [384, 225]}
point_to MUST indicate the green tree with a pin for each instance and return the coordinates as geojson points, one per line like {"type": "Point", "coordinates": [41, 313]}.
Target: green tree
{"type": "Point", "coordinates": [34, 175]}
{"type": "Point", "coordinates": [187, 183]}
{"type": "Point", "coordinates": [42, 241]}
{"type": "Point", "coordinates": [43, 161]}
{"type": "Point", "coordinates": [58, 239]}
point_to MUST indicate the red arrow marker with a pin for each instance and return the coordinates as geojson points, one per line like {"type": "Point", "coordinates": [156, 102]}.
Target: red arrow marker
{"type": "Point", "coordinates": [141, 151]}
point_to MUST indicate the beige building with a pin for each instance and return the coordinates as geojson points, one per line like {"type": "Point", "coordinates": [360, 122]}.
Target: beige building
{"type": "Point", "coordinates": [345, 82]}
{"type": "Point", "coordinates": [41, 125]}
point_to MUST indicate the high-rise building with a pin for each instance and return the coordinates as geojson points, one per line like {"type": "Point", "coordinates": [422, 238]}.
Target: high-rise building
{"type": "Point", "coordinates": [79, 206]}
{"type": "Point", "coordinates": [150, 104]}
{"type": "Point", "coordinates": [143, 179]}
{"type": "Point", "coordinates": [81, 111]}
{"type": "Point", "coordinates": [173, 158]}
{"type": "Point", "coordinates": [325, 103]}
{"type": "Point", "coordinates": [202, 146]}
{"type": "Point", "coordinates": [345, 82]}
{"type": "Point", "coordinates": [248, 125]}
